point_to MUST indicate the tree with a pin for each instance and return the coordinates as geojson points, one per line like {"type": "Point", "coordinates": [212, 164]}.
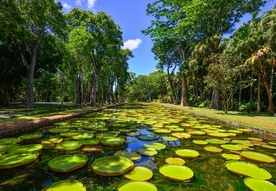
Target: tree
{"type": "Point", "coordinates": [28, 23]}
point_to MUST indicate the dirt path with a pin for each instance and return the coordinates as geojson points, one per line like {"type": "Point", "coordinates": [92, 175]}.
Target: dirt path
{"type": "Point", "coordinates": [19, 126]}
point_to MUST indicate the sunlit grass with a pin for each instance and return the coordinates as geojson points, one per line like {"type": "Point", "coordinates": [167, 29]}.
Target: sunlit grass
{"type": "Point", "coordinates": [261, 121]}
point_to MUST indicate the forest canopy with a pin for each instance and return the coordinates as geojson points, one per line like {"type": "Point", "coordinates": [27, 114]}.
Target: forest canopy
{"type": "Point", "coordinates": [203, 60]}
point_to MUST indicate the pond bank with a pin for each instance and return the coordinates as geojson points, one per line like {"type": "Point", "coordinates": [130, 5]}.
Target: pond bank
{"type": "Point", "coordinates": [233, 120]}
{"type": "Point", "coordinates": [30, 123]}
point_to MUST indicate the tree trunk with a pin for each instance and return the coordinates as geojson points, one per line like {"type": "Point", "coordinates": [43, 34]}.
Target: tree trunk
{"type": "Point", "coordinates": [259, 94]}
{"type": "Point", "coordinates": [215, 98]}
{"type": "Point", "coordinates": [240, 90]}
{"type": "Point", "coordinates": [184, 91]}
{"type": "Point", "coordinates": [30, 87]}
{"type": "Point", "coordinates": [93, 95]}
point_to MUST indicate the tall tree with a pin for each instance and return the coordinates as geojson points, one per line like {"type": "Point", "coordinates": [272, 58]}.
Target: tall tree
{"type": "Point", "coordinates": [29, 22]}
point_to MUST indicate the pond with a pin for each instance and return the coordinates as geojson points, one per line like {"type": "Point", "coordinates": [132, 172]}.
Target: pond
{"type": "Point", "coordinates": [153, 134]}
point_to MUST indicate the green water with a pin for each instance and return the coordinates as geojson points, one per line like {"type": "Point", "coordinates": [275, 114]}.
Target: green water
{"type": "Point", "coordinates": [209, 168]}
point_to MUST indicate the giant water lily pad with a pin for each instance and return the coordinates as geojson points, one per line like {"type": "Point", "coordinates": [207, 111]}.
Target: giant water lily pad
{"type": "Point", "coordinates": [247, 169]}
{"type": "Point", "coordinates": [17, 159]}
{"type": "Point", "coordinates": [256, 156]}
{"type": "Point", "coordinates": [28, 148]}
{"type": "Point", "coordinates": [232, 147]}
{"type": "Point", "coordinates": [10, 140]}
{"type": "Point", "coordinates": [90, 142]}
{"type": "Point", "coordinates": [69, 145]}
{"type": "Point", "coordinates": [176, 172]}
{"type": "Point", "coordinates": [139, 173]}
{"type": "Point", "coordinates": [213, 149]}
{"type": "Point", "coordinates": [137, 186]}
{"type": "Point", "coordinates": [113, 141]}
{"type": "Point", "coordinates": [187, 153]}
{"type": "Point", "coordinates": [83, 136]}
{"type": "Point", "coordinates": [148, 137]}
{"type": "Point", "coordinates": [31, 137]}
{"type": "Point", "coordinates": [157, 146]}
{"type": "Point", "coordinates": [112, 166]}
{"type": "Point", "coordinates": [178, 161]}
{"type": "Point", "coordinates": [216, 141]}
{"type": "Point", "coordinates": [231, 156]}
{"type": "Point", "coordinates": [132, 155]}
{"type": "Point", "coordinates": [67, 163]}
{"type": "Point", "coordinates": [7, 148]}
{"type": "Point", "coordinates": [51, 141]}
{"type": "Point", "coordinates": [200, 142]}
{"type": "Point", "coordinates": [67, 185]}
{"type": "Point", "coordinates": [258, 185]}
{"type": "Point", "coordinates": [197, 132]}
{"type": "Point", "coordinates": [91, 149]}
{"type": "Point", "coordinates": [168, 138]}
{"type": "Point", "coordinates": [181, 135]}
{"type": "Point", "coordinates": [57, 130]}
{"type": "Point", "coordinates": [147, 151]}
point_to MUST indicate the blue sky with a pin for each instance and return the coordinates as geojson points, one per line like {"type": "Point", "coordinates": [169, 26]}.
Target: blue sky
{"type": "Point", "coordinates": [131, 16]}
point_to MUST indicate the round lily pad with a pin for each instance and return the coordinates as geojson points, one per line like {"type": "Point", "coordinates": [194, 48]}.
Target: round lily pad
{"type": "Point", "coordinates": [8, 147]}
{"type": "Point", "coordinates": [269, 147]}
{"type": "Point", "coordinates": [162, 131]}
{"type": "Point", "coordinates": [113, 141]}
{"type": "Point", "coordinates": [139, 173]}
{"type": "Point", "coordinates": [83, 136]}
{"type": "Point", "coordinates": [167, 138]}
{"type": "Point", "coordinates": [10, 140]}
{"type": "Point", "coordinates": [213, 149]}
{"type": "Point", "coordinates": [257, 185]}
{"type": "Point", "coordinates": [216, 141]}
{"type": "Point", "coordinates": [137, 186]}
{"type": "Point", "coordinates": [69, 145]}
{"type": "Point", "coordinates": [17, 159]}
{"type": "Point", "coordinates": [91, 149]}
{"type": "Point", "coordinates": [197, 132]}
{"type": "Point", "coordinates": [231, 147]}
{"type": "Point", "coordinates": [51, 141]}
{"type": "Point", "coordinates": [147, 151]}
{"type": "Point", "coordinates": [67, 163]}
{"type": "Point", "coordinates": [112, 166]}
{"type": "Point", "coordinates": [256, 156]}
{"type": "Point", "coordinates": [31, 137]}
{"type": "Point", "coordinates": [200, 142]}
{"type": "Point", "coordinates": [177, 172]}
{"type": "Point", "coordinates": [181, 135]}
{"type": "Point", "coordinates": [231, 156]}
{"type": "Point", "coordinates": [187, 153]}
{"type": "Point", "coordinates": [157, 146]}
{"type": "Point", "coordinates": [69, 134]}
{"type": "Point", "coordinates": [28, 148]}
{"type": "Point", "coordinates": [255, 139]}
{"type": "Point", "coordinates": [247, 169]}
{"type": "Point", "coordinates": [128, 154]}
{"type": "Point", "coordinates": [221, 134]}
{"type": "Point", "coordinates": [148, 137]}
{"type": "Point", "coordinates": [67, 185]}
{"type": "Point", "coordinates": [178, 161]}
{"type": "Point", "coordinates": [90, 142]}
{"type": "Point", "coordinates": [57, 130]}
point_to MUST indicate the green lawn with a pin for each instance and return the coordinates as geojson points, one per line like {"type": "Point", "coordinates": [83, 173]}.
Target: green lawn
{"type": "Point", "coordinates": [260, 121]}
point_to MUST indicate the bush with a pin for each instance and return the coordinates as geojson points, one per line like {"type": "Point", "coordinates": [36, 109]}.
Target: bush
{"type": "Point", "coordinates": [206, 103]}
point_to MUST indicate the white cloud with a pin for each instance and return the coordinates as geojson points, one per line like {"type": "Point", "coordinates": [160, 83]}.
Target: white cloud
{"type": "Point", "coordinates": [66, 6]}
{"type": "Point", "coordinates": [91, 3]}
{"type": "Point", "coordinates": [78, 2]}
{"type": "Point", "coordinates": [132, 44]}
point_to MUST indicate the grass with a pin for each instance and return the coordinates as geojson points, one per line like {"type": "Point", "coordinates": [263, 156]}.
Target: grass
{"type": "Point", "coordinates": [261, 121]}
